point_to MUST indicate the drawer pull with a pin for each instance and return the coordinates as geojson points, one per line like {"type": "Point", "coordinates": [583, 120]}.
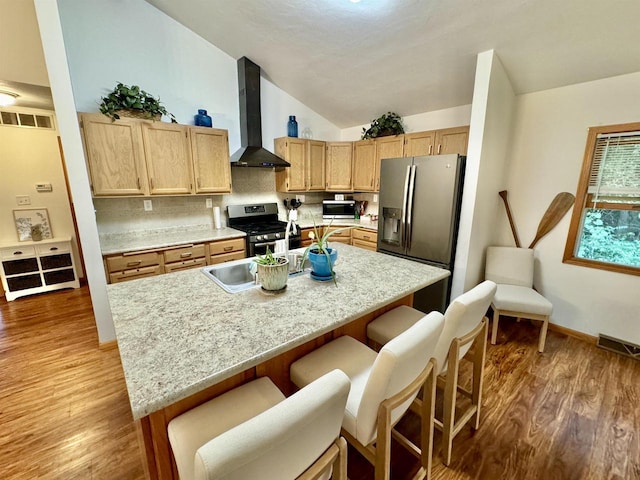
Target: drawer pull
{"type": "Point", "coordinates": [366, 237]}
{"type": "Point", "coordinates": [133, 264]}
{"type": "Point", "coordinates": [228, 249]}
{"type": "Point", "coordinates": [53, 249]}
{"type": "Point", "coordinates": [17, 252]}
{"type": "Point", "coordinates": [186, 254]}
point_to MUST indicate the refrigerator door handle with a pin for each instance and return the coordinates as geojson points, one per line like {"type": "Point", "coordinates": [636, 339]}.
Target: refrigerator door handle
{"type": "Point", "coordinates": [412, 184]}
{"type": "Point", "coordinates": [403, 224]}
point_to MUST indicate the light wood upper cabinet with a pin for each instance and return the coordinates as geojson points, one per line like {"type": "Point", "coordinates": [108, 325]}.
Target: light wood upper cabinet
{"type": "Point", "coordinates": [316, 160]}
{"type": "Point", "coordinates": [452, 140]}
{"type": "Point", "coordinates": [166, 147]}
{"type": "Point", "coordinates": [115, 156]}
{"type": "Point", "coordinates": [419, 143]}
{"type": "Point", "coordinates": [210, 155]}
{"type": "Point", "coordinates": [387, 147]}
{"type": "Point", "coordinates": [140, 157]}
{"type": "Point", "coordinates": [339, 168]}
{"type": "Point", "coordinates": [364, 165]}
{"type": "Point", "coordinates": [307, 159]}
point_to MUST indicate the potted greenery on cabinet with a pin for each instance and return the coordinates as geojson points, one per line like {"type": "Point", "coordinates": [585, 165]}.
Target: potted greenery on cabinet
{"type": "Point", "coordinates": [132, 101]}
{"type": "Point", "coordinates": [388, 124]}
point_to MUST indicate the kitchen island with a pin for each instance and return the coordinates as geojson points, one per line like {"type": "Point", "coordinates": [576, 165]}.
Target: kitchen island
{"type": "Point", "coordinates": [182, 339]}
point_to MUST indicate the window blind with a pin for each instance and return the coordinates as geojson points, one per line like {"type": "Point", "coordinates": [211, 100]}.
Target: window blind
{"type": "Point", "coordinates": [615, 169]}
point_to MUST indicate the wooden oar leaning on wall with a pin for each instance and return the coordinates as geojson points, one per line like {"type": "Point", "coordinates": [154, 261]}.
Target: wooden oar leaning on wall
{"type": "Point", "coordinates": [557, 209]}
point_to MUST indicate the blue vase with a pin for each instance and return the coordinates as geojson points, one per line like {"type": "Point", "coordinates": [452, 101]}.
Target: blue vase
{"type": "Point", "coordinates": [202, 119]}
{"type": "Point", "coordinates": [292, 126]}
{"type": "Point", "coordinates": [320, 267]}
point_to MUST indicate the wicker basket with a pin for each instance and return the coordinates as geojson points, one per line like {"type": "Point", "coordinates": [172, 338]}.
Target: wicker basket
{"type": "Point", "coordinates": [132, 113]}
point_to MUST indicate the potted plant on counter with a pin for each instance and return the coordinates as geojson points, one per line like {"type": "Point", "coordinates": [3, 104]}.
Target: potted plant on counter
{"type": "Point", "coordinates": [132, 101]}
{"type": "Point", "coordinates": [273, 271]}
{"type": "Point", "coordinates": [321, 256]}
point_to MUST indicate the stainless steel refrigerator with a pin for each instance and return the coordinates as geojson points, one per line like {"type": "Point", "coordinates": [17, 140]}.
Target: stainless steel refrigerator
{"type": "Point", "coordinates": [418, 216]}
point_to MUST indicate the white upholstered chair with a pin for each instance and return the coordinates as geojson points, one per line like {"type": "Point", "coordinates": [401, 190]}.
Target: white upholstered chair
{"type": "Point", "coordinates": [254, 432]}
{"type": "Point", "coordinates": [512, 270]}
{"type": "Point", "coordinates": [464, 324]}
{"type": "Point", "coordinates": [383, 386]}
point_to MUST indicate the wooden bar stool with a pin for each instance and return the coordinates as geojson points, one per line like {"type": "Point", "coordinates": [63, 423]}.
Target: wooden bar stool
{"type": "Point", "coordinates": [464, 325]}
{"type": "Point", "coordinates": [383, 386]}
{"type": "Point", "coordinates": [253, 431]}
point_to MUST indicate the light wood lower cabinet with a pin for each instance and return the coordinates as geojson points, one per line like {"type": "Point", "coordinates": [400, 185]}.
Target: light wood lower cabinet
{"type": "Point", "coordinates": [364, 238]}
{"type": "Point", "coordinates": [129, 266]}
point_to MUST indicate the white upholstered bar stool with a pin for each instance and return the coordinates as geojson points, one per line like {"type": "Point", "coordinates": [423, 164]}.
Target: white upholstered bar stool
{"type": "Point", "coordinates": [512, 269]}
{"type": "Point", "coordinates": [383, 386]}
{"type": "Point", "coordinates": [254, 432]}
{"type": "Point", "coordinates": [464, 324]}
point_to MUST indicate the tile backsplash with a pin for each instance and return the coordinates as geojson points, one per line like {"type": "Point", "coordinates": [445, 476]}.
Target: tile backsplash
{"type": "Point", "coordinates": [250, 185]}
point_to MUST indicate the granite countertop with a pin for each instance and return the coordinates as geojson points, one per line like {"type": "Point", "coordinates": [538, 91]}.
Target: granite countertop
{"type": "Point", "coordinates": [114, 243]}
{"type": "Point", "coordinates": [180, 333]}
{"type": "Point", "coordinates": [338, 222]}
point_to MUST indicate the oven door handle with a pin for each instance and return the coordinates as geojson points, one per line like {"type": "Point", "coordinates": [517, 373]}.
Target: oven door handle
{"type": "Point", "coordinates": [264, 244]}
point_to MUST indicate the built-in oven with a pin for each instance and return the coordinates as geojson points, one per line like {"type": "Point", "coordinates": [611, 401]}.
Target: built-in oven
{"type": "Point", "coordinates": [338, 208]}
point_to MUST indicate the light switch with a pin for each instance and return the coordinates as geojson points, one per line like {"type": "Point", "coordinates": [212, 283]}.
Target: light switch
{"type": "Point", "coordinates": [148, 206]}
{"type": "Point", "coordinates": [209, 203]}
{"type": "Point", "coordinates": [375, 198]}
{"type": "Point", "coordinates": [44, 187]}
{"type": "Point", "coordinates": [23, 200]}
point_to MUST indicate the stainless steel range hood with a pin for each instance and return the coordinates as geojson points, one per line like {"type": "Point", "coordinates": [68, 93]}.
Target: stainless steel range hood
{"type": "Point", "coordinates": [251, 154]}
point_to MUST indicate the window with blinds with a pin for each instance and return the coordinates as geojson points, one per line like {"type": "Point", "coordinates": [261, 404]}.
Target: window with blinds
{"type": "Point", "coordinates": [605, 227]}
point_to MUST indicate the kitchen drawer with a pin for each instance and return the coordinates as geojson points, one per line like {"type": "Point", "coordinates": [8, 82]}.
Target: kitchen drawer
{"type": "Point", "coordinates": [53, 248]}
{"type": "Point", "coordinates": [14, 253]}
{"type": "Point", "coordinates": [135, 273]}
{"type": "Point", "coordinates": [366, 235]}
{"type": "Point", "coordinates": [184, 253]}
{"type": "Point", "coordinates": [130, 261]}
{"type": "Point", "coordinates": [185, 264]}
{"type": "Point", "coordinates": [339, 239]}
{"type": "Point", "coordinates": [227, 246]}
{"type": "Point", "coordinates": [50, 262]}
{"type": "Point", "coordinates": [343, 234]}
{"type": "Point", "coordinates": [304, 233]}
{"type": "Point", "coordinates": [306, 243]}
{"type": "Point", "coordinates": [20, 265]}
{"type": "Point", "coordinates": [365, 245]}
{"type": "Point", "coordinates": [226, 257]}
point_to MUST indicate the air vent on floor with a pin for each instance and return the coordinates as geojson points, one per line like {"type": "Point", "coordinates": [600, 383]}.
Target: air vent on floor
{"type": "Point", "coordinates": [18, 119]}
{"type": "Point", "coordinates": [618, 346]}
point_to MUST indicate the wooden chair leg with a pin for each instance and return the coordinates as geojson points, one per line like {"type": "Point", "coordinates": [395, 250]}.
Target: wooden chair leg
{"type": "Point", "coordinates": [427, 413]}
{"type": "Point", "coordinates": [383, 448]}
{"type": "Point", "coordinates": [479, 354]}
{"type": "Point", "coordinates": [494, 327]}
{"type": "Point", "coordinates": [543, 334]}
{"type": "Point", "coordinates": [449, 408]}
{"type": "Point", "coordinates": [340, 465]}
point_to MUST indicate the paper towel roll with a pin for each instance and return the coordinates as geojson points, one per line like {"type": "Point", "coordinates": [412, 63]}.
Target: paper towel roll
{"type": "Point", "coordinates": [217, 223]}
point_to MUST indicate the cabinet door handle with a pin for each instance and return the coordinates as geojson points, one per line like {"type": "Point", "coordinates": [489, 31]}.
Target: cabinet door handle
{"type": "Point", "coordinates": [133, 264]}
{"type": "Point", "coordinates": [198, 182]}
{"type": "Point", "coordinates": [138, 181]}
{"type": "Point", "coordinates": [53, 249]}
{"type": "Point", "coordinates": [186, 254]}
{"type": "Point", "coordinates": [430, 149]}
{"type": "Point", "coordinates": [228, 249]}
{"type": "Point", "coordinates": [151, 183]}
{"type": "Point", "coordinates": [366, 237]}
{"type": "Point", "coordinates": [439, 148]}
{"type": "Point", "coordinates": [18, 252]}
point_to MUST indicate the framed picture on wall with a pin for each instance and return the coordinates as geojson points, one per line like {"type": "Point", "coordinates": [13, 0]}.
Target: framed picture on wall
{"type": "Point", "coordinates": [32, 224]}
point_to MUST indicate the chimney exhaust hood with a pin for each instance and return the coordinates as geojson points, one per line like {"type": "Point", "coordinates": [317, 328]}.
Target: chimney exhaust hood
{"type": "Point", "coordinates": [251, 154]}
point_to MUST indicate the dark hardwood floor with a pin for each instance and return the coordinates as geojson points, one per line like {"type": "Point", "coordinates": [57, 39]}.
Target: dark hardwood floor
{"type": "Point", "coordinates": [572, 412]}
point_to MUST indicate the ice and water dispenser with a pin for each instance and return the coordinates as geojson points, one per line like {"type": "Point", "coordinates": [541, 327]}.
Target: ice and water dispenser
{"type": "Point", "coordinates": [392, 226]}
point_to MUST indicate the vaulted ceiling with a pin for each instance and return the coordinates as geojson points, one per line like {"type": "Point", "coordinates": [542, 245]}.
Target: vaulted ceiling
{"type": "Point", "coordinates": [351, 62]}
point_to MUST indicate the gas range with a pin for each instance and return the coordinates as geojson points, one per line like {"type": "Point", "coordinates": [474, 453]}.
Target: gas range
{"type": "Point", "coordinates": [260, 223]}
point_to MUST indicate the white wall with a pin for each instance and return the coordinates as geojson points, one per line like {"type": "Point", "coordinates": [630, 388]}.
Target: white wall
{"type": "Point", "coordinates": [491, 120]}
{"type": "Point", "coordinates": [30, 156]}
{"type": "Point", "coordinates": [421, 122]}
{"type": "Point", "coordinates": [545, 158]}
{"type": "Point", "coordinates": [145, 47]}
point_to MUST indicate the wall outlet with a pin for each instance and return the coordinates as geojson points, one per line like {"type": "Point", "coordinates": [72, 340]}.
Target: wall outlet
{"type": "Point", "coordinates": [148, 206]}
{"type": "Point", "coordinates": [23, 199]}
{"type": "Point", "coordinates": [209, 203]}
{"type": "Point", "coordinates": [300, 198]}
{"type": "Point", "coordinates": [375, 198]}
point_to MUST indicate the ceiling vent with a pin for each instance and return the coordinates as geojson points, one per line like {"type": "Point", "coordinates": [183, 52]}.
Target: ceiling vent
{"type": "Point", "coordinates": [29, 120]}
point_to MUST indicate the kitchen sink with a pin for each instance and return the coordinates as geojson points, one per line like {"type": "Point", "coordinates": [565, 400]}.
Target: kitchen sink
{"type": "Point", "coordinates": [238, 276]}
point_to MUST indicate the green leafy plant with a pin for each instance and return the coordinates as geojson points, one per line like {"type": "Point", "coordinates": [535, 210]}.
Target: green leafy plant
{"type": "Point", "coordinates": [125, 97]}
{"type": "Point", "coordinates": [269, 259]}
{"type": "Point", "coordinates": [388, 124]}
{"type": "Point", "coordinates": [320, 245]}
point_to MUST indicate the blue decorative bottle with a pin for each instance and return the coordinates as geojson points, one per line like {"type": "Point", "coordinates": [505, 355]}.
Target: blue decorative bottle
{"type": "Point", "coordinates": [202, 119]}
{"type": "Point", "coordinates": [292, 126]}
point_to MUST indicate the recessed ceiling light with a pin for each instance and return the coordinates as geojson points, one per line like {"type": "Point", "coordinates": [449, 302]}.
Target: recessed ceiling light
{"type": "Point", "coordinates": [355, 1]}
{"type": "Point", "coordinates": [7, 98]}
